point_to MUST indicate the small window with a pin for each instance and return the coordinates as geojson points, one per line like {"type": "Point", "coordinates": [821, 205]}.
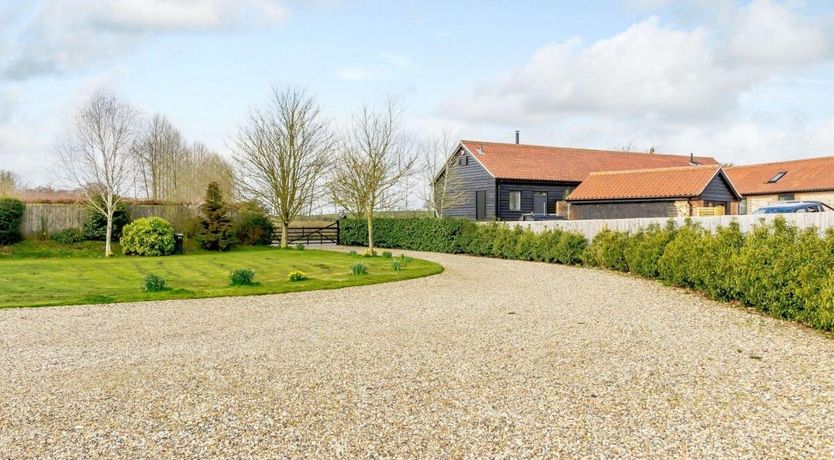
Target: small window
{"type": "Point", "coordinates": [463, 160]}
{"type": "Point", "coordinates": [742, 206]}
{"type": "Point", "coordinates": [515, 201]}
{"type": "Point", "coordinates": [785, 197]}
{"type": "Point", "coordinates": [776, 178]}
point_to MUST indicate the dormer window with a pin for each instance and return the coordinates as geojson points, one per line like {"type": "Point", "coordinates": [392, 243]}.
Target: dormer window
{"type": "Point", "coordinates": [463, 160]}
{"type": "Point", "coordinates": [776, 178]}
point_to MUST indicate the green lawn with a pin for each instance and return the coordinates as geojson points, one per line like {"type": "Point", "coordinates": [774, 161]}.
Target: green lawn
{"type": "Point", "coordinates": [78, 276]}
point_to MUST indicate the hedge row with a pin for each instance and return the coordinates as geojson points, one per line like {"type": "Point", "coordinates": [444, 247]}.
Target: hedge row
{"type": "Point", "coordinates": [461, 236]}
{"type": "Point", "coordinates": [417, 234]}
{"type": "Point", "coordinates": [777, 268]}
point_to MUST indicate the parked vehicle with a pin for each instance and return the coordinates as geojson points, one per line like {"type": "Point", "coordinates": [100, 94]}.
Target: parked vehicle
{"type": "Point", "coordinates": [794, 206]}
{"type": "Point", "coordinates": [540, 217]}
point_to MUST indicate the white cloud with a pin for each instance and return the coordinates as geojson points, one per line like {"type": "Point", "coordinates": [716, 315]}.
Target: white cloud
{"type": "Point", "coordinates": [61, 35]}
{"type": "Point", "coordinates": [659, 84]}
{"type": "Point", "coordinates": [644, 71]}
{"type": "Point", "coordinates": [773, 34]}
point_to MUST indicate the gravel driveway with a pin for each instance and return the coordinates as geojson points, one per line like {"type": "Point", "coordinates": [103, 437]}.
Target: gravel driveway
{"type": "Point", "coordinates": [491, 358]}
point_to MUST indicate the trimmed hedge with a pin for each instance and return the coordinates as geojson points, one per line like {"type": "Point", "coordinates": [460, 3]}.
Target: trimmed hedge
{"type": "Point", "coordinates": [777, 268]}
{"type": "Point", "coordinates": [11, 219]}
{"type": "Point", "coordinates": [418, 234]}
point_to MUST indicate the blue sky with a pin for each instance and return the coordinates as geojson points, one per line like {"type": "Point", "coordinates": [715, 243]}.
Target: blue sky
{"type": "Point", "coordinates": [743, 81]}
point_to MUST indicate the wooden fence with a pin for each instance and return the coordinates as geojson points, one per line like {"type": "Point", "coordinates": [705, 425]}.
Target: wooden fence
{"type": "Point", "coordinates": [589, 228]}
{"type": "Point", "coordinates": [48, 218]}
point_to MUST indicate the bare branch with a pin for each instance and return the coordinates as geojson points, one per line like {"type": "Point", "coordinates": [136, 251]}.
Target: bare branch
{"type": "Point", "coordinates": [282, 153]}
{"type": "Point", "coordinates": [95, 156]}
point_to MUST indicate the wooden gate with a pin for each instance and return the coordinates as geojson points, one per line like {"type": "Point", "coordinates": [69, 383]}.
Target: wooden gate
{"type": "Point", "coordinates": [311, 235]}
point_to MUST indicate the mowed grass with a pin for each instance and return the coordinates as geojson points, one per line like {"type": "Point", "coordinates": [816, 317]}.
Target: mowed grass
{"type": "Point", "coordinates": [34, 282]}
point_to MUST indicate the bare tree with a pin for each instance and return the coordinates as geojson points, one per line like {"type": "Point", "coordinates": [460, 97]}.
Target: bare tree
{"type": "Point", "coordinates": [9, 183]}
{"type": "Point", "coordinates": [282, 152]}
{"type": "Point", "coordinates": [96, 155]}
{"type": "Point", "coordinates": [202, 166]}
{"type": "Point", "coordinates": [171, 170]}
{"type": "Point", "coordinates": [374, 158]}
{"type": "Point", "coordinates": [156, 152]}
{"type": "Point", "coordinates": [439, 174]}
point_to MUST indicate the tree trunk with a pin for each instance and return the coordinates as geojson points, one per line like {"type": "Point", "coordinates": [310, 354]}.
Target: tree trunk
{"type": "Point", "coordinates": [108, 235]}
{"type": "Point", "coordinates": [371, 232]}
{"type": "Point", "coordinates": [284, 229]}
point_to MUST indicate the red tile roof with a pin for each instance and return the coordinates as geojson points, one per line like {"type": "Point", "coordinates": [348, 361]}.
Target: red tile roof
{"type": "Point", "coordinates": [534, 162]}
{"type": "Point", "coordinates": [812, 174]}
{"type": "Point", "coordinates": [683, 182]}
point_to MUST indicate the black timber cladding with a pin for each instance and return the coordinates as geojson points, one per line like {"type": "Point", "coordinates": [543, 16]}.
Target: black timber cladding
{"type": "Point", "coordinates": [718, 190]}
{"type": "Point", "coordinates": [471, 177]}
{"type": "Point", "coordinates": [555, 192]}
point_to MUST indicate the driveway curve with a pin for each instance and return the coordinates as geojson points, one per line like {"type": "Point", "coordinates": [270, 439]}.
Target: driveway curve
{"type": "Point", "coordinates": [490, 358]}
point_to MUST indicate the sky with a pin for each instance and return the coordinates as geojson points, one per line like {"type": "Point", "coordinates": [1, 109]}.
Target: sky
{"type": "Point", "coordinates": [743, 81]}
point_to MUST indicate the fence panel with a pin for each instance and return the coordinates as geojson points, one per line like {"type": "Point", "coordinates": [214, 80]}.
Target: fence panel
{"type": "Point", "coordinates": [48, 218]}
{"type": "Point", "coordinates": [589, 228]}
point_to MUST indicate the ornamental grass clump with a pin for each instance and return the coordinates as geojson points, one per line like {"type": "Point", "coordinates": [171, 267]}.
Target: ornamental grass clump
{"type": "Point", "coordinates": [359, 269]}
{"type": "Point", "coordinates": [154, 283]}
{"type": "Point", "coordinates": [242, 277]}
{"type": "Point", "coordinates": [396, 265]}
{"type": "Point", "coordinates": [299, 247]}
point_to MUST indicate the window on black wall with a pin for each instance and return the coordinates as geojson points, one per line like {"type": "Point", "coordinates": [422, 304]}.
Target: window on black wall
{"type": "Point", "coordinates": [515, 200]}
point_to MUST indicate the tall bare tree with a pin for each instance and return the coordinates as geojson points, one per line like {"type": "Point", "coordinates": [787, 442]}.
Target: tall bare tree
{"type": "Point", "coordinates": [9, 183]}
{"type": "Point", "coordinates": [96, 154]}
{"type": "Point", "coordinates": [201, 167]}
{"type": "Point", "coordinates": [156, 152]}
{"type": "Point", "coordinates": [374, 158]}
{"type": "Point", "coordinates": [439, 174]}
{"type": "Point", "coordinates": [282, 152]}
{"type": "Point", "coordinates": [169, 169]}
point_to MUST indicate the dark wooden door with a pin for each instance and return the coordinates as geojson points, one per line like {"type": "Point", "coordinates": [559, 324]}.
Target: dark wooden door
{"type": "Point", "coordinates": [480, 205]}
{"type": "Point", "coordinates": [540, 203]}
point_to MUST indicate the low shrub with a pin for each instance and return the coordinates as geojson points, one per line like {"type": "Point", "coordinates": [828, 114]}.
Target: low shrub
{"type": "Point", "coordinates": [299, 247]}
{"type": "Point", "coordinates": [11, 220]}
{"type": "Point", "coordinates": [95, 226]}
{"type": "Point", "coordinates": [68, 236]}
{"type": "Point", "coordinates": [242, 277]}
{"type": "Point", "coordinates": [607, 250]}
{"type": "Point", "coordinates": [645, 248]}
{"type": "Point", "coordinates": [154, 283]}
{"type": "Point", "coordinates": [387, 254]}
{"type": "Point", "coordinates": [148, 236]}
{"type": "Point", "coordinates": [252, 225]}
{"type": "Point", "coordinates": [678, 263]}
{"type": "Point", "coordinates": [297, 275]}
{"type": "Point", "coordinates": [359, 269]}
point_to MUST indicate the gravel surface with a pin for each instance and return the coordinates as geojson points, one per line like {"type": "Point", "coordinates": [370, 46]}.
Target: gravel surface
{"type": "Point", "coordinates": [491, 358]}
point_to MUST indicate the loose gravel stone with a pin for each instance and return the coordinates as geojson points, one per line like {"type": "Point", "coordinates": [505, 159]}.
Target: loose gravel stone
{"type": "Point", "coordinates": [491, 358]}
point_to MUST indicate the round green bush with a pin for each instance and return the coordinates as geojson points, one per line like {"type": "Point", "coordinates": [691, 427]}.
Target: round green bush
{"type": "Point", "coordinates": [252, 226]}
{"type": "Point", "coordinates": [149, 236]}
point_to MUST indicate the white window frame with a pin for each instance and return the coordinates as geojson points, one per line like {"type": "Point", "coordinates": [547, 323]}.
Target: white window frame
{"type": "Point", "coordinates": [517, 203]}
